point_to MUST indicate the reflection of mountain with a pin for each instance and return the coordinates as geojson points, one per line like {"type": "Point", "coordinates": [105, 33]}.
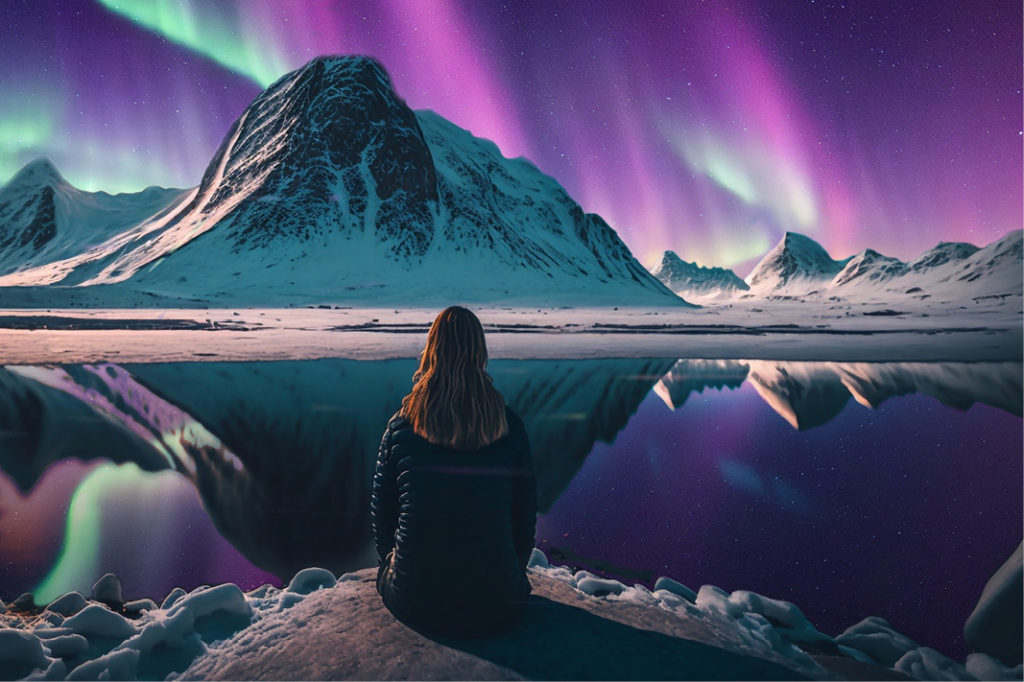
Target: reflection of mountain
{"type": "Point", "coordinates": [282, 453]}
{"type": "Point", "coordinates": [687, 376]}
{"type": "Point", "coordinates": [808, 394]}
{"type": "Point", "coordinates": [45, 416]}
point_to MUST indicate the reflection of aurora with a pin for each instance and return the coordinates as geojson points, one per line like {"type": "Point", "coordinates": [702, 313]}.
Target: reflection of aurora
{"type": "Point", "coordinates": [707, 131]}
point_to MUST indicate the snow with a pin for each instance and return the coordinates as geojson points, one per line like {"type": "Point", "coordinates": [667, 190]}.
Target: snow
{"type": "Point", "coordinates": [214, 625]}
{"type": "Point", "coordinates": [96, 619]}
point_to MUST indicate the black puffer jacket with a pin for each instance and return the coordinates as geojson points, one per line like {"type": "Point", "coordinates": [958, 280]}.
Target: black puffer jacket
{"type": "Point", "coordinates": [454, 529]}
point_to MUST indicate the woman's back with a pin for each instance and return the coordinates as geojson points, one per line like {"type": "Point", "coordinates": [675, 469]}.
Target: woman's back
{"type": "Point", "coordinates": [454, 529]}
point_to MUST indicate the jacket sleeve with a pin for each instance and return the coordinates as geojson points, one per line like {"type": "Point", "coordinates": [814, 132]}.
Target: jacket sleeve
{"type": "Point", "coordinates": [525, 509]}
{"type": "Point", "coordinates": [384, 503]}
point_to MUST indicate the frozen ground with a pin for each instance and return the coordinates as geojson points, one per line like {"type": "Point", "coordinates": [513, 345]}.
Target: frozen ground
{"type": "Point", "coordinates": [776, 330]}
{"type": "Point", "coordinates": [577, 626]}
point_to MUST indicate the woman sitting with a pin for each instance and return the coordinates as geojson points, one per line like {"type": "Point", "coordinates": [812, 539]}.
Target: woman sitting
{"type": "Point", "coordinates": [454, 495]}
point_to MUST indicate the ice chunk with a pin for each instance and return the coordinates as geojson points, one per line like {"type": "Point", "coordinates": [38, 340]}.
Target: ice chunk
{"type": "Point", "coordinates": [99, 620]}
{"type": "Point", "coordinates": [172, 598]}
{"type": "Point", "coordinates": [780, 612]}
{"type": "Point", "coordinates": [675, 587]}
{"type": "Point", "coordinates": [64, 646]}
{"type": "Point", "coordinates": [593, 585]}
{"type": "Point", "coordinates": [717, 599]}
{"type": "Point", "coordinates": [108, 589]}
{"type": "Point", "coordinates": [925, 663]}
{"type": "Point", "coordinates": [68, 604]}
{"type": "Point", "coordinates": [22, 649]}
{"type": "Point", "coordinates": [876, 637]}
{"type": "Point", "coordinates": [311, 579]}
{"type": "Point", "coordinates": [985, 667]}
{"type": "Point", "coordinates": [120, 664]}
{"type": "Point", "coordinates": [537, 558]}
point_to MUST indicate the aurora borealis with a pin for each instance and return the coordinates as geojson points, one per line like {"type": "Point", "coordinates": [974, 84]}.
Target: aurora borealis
{"type": "Point", "coordinates": [706, 128]}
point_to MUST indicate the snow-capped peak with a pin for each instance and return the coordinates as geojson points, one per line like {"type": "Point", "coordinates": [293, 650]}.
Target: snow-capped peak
{"type": "Point", "coordinates": [35, 174]}
{"type": "Point", "coordinates": [795, 258]}
{"type": "Point", "coordinates": [690, 279]}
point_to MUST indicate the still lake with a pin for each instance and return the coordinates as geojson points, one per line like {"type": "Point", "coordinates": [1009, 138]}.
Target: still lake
{"type": "Point", "coordinates": [850, 489]}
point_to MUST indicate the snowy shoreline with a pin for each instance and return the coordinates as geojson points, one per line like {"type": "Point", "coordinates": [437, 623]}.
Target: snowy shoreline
{"type": "Point", "coordinates": [784, 331]}
{"type": "Point", "coordinates": [202, 633]}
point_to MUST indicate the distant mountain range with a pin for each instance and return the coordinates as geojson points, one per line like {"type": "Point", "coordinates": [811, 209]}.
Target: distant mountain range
{"type": "Point", "coordinates": [327, 188]}
{"type": "Point", "coordinates": [799, 267]}
{"type": "Point", "coordinates": [690, 279]}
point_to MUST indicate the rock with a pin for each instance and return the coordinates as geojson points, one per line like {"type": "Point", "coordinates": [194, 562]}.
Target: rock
{"type": "Point", "coordinates": [68, 604]}
{"type": "Point", "coordinates": [108, 589]}
{"type": "Point", "coordinates": [996, 626]}
{"type": "Point", "coordinates": [25, 602]}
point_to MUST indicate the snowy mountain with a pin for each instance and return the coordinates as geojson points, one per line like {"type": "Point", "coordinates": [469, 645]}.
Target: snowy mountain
{"type": "Point", "coordinates": [798, 266]}
{"type": "Point", "coordinates": [329, 188]}
{"type": "Point", "coordinates": [796, 262]}
{"type": "Point", "coordinates": [690, 279]}
{"type": "Point", "coordinates": [44, 219]}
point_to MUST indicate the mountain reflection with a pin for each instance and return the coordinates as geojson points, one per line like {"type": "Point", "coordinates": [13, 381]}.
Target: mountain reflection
{"type": "Point", "coordinates": [282, 453]}
{"type": "Point", "coordinates": [809, 394]}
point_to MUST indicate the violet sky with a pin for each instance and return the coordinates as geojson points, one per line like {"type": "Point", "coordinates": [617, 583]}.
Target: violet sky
{"type": "Point", "coordinates": [709, 128]}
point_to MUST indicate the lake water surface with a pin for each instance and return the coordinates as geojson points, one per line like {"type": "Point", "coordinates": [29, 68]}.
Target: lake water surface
{"type": "Point", "coordinates": [778, 477]}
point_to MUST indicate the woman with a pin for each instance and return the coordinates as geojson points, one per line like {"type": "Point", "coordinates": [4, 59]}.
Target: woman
{"type": "Point", "coordinates": [454, 496]}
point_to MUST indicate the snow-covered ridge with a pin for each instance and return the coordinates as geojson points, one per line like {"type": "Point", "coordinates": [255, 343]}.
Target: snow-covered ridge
{"type": "Point", "coordinates": [950, 272]}
{"type": "Point", "coordinates": [692, 280]}
{"type": "Point", "coordinates": [328, 185]}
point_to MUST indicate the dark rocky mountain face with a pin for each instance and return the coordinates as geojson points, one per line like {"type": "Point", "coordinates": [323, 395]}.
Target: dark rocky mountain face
{"type": "Point", "coordinates": [335, 140]}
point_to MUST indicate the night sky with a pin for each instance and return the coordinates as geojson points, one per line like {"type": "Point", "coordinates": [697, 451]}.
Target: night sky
{"type": "Point", "coordinates": [707, 128]}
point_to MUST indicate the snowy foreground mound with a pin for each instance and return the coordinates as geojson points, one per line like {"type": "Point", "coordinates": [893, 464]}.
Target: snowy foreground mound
{"type": "Point", "coordinates": [578, 626]}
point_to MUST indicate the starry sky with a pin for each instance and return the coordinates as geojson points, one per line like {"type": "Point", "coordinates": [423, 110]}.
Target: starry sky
{"type": "Point", "coordinates": [709, 128]}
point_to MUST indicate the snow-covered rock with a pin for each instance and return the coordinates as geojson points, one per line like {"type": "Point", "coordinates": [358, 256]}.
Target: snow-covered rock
{"type": "Point", "coordinates": [692, 280]}
{"type": "Point", "coordinates": [97, 619]}
{"type": "Point", "coordinates": [310, 580]}
{"type": "Point", "coordinates": [67, 604]}
{"type": "Point", "coordinates": [108, 589]}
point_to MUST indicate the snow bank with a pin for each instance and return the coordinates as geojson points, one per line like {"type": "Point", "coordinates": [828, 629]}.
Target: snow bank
{"type": "Point", "coordinates": [99, 643]}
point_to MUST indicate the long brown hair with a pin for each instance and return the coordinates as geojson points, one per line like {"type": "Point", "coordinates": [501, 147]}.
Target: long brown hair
{"type": "Point", "coordinates": [452, 401]}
